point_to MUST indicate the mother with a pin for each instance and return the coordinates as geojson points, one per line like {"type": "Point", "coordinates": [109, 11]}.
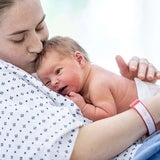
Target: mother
{"type": "Point", "coordinates": [36, 123]}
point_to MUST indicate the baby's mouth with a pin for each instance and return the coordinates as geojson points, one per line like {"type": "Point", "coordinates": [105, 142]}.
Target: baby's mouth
{"type": "Point", "coordinates": [62, 90]}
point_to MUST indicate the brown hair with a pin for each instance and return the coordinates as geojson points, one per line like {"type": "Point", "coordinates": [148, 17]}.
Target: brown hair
{"type": "Point", "coordinates": [62, 45]}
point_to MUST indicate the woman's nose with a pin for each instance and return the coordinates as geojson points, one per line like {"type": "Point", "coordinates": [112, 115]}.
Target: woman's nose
{"type": "Point", "coordinates": [36, 45]}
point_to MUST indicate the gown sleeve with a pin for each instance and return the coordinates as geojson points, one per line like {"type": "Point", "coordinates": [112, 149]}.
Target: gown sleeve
{"type": "Point", "coordinates": [36, 123]}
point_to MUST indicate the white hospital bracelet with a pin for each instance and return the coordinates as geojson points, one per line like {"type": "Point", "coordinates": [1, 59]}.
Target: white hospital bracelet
{"type": "Point", "coordinates": [145, 115]}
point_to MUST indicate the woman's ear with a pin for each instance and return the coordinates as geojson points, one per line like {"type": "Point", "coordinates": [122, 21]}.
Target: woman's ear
{"type": "Point", "coordinates": [79, 57]}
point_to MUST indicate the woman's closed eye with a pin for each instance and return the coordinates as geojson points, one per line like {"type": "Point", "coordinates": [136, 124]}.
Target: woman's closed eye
{"type": "Point", "coordinates": [18, 39]}
{"type": "Point", "coordinates": [40, 27]}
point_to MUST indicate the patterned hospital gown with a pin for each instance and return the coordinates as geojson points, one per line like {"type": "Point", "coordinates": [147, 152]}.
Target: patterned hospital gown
{"type": "Point", "coordinates": [35, 123]}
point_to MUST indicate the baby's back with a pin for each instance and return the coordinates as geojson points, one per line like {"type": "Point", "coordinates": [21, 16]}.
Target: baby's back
{"type": "Point", "coordinates": [122, 89]}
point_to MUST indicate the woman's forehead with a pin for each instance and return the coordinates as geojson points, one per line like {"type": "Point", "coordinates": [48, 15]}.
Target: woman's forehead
{"type": "Point", "coordinates": [23, 14]}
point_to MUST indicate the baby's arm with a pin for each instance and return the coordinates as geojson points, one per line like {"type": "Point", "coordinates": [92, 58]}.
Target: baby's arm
{"type": "Point", "coordinates": [105, 109]}
{"type": "Point", "coordinates": [77, 99]}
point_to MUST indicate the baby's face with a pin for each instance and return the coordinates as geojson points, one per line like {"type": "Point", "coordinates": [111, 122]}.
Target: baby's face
{"type": "Point", "coordinates": [60, 73]}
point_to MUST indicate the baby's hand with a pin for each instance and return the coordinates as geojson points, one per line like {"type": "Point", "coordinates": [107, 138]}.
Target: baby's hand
{"type": "Point", "coordinates": [77, 99]}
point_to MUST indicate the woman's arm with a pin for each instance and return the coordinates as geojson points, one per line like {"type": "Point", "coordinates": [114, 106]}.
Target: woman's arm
{"type": "Point", "coordinates": [106, 138]}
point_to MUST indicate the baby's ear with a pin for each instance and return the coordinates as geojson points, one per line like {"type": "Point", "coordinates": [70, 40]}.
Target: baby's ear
{"type": "Point", "coordinates": [79, 57]}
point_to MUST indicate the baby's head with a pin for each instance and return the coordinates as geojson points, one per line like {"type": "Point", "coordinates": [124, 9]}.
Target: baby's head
{"type": "Point", "coordinates": [63, 46]}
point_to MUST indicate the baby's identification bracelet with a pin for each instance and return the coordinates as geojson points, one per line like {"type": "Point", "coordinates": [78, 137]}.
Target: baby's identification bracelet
{"type": "Point", "coordinates": [145, 115]}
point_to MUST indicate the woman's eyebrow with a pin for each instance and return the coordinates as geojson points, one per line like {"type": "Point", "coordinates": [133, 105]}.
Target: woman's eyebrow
{"type": "Point", "coordinates": [18, 32]}
{"type": "Point", "coordinates": [25, 30]}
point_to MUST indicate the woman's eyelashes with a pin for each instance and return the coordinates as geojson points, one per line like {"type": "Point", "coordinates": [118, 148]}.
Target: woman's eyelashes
{"type": "Point", "coordinates": [41, 26]}
{"type": "Point", "coordinates": [18, 39]}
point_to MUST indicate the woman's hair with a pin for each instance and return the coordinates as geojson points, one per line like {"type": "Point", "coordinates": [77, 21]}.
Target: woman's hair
{"type": "Point", "coordinates": [4, 5]}
{"type": "Point", "coordinates": [62, 45]}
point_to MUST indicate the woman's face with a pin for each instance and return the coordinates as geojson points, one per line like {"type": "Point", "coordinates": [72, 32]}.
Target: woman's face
{"type": "Point", "coordinates": [22, 31]}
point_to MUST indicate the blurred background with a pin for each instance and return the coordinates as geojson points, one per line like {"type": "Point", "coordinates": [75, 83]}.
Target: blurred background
{"type": "Point", "coordinates": [106, 28]}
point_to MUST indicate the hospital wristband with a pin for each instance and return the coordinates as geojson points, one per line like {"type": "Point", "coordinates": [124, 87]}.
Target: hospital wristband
{"type": "Point", "coordinates": [145, 115]}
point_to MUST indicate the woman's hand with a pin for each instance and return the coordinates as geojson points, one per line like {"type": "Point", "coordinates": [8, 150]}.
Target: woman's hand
{"type": "Point", "coordinates": [138, 67]}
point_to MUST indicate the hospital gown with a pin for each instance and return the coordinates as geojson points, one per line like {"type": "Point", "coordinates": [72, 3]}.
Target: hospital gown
{"type": "Point", "coordinates": [35, 122]}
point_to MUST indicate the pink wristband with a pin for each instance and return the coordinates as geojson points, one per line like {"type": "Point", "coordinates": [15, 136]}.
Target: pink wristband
{"type": "Point", "coordinates": [145, 115]}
